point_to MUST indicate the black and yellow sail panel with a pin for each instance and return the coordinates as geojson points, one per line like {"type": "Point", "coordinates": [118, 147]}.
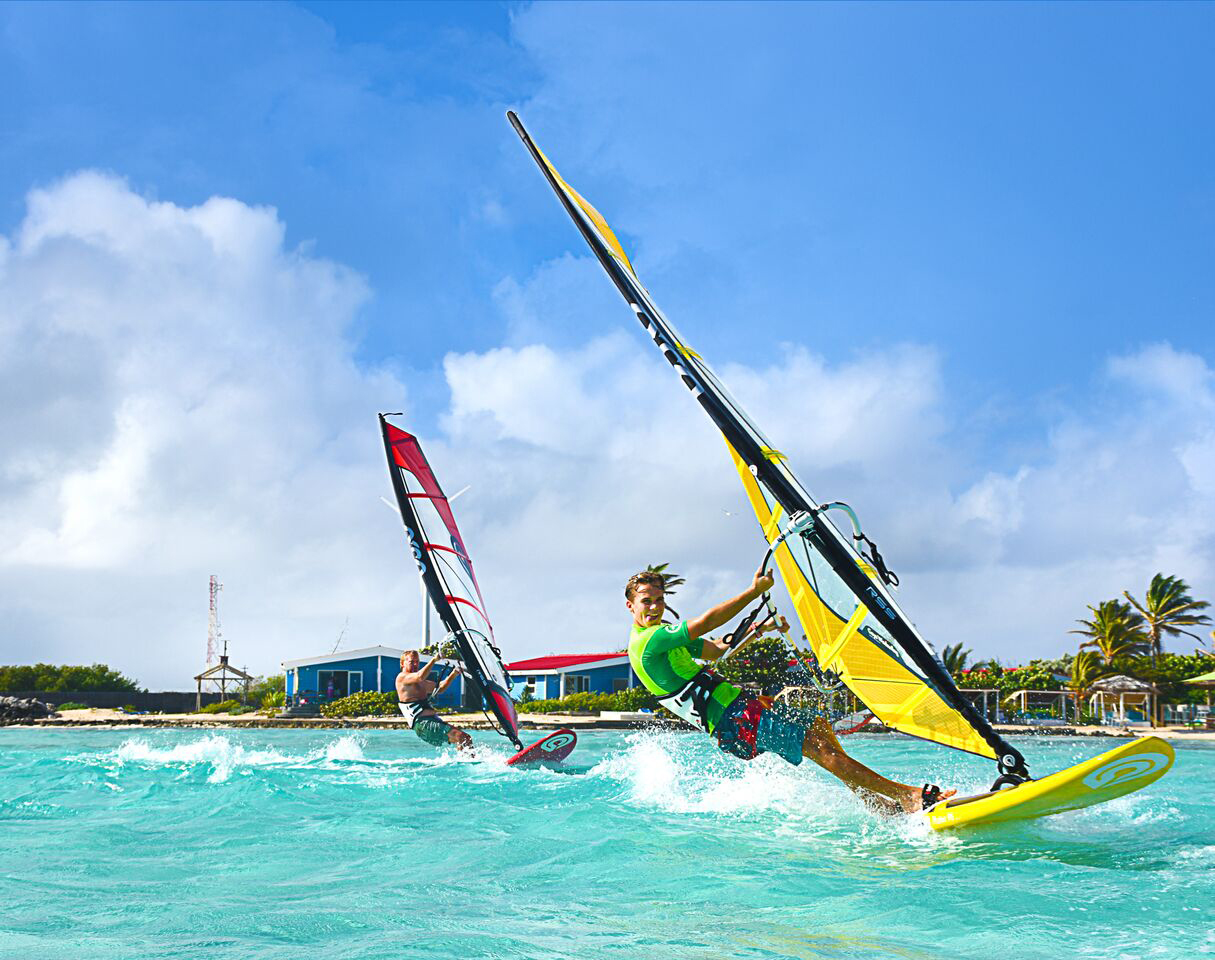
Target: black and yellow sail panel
{"type": "Point", "coordinates": [892, 691]}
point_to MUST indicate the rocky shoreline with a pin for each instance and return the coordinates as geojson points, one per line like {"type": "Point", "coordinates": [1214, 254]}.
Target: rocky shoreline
{"type": "Point", "coordinates": [16, 710]}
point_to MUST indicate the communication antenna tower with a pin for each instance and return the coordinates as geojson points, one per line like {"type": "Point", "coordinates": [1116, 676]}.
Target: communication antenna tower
{"type": "Point", "coordinates": [213, 631]}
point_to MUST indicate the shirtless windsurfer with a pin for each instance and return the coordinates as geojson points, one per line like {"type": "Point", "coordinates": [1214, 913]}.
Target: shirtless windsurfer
{"type": "Point", "coordinates": [662, 657]}
{"type": "Point", "coordinates": [414, 692]}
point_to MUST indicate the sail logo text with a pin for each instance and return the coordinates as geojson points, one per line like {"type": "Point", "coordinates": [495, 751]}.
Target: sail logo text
{"type": "Point", "coordinates": [882, 603]}
{"type": "Point", "coordinates": [417, 551]}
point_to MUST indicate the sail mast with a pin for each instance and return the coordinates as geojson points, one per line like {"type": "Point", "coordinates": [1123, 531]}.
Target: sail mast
{"type": "Point", "coordinates": [767, 466]}
{"type": "Point", "coordinates": [447, 572]}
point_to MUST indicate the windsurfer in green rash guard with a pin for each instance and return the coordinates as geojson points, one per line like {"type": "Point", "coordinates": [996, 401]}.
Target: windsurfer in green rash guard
{"type": "Point", "coordinates": [662, 656]}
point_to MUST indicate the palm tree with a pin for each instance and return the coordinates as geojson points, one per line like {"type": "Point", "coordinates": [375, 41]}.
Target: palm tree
{"type": "Point", "coordinates": [669, 580]}
{"type": "Point", "coordinates": [1115, 631]}
{"type": "Point", "coordinates": [1085, 669]}
{"type": "Point", "coordinates": [1167, 608]}
{"type": "Point", "coordinates": [955, 658]}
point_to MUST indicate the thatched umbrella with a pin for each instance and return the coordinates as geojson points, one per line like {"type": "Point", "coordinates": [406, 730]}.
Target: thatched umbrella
{"type": "Point", "coordinates": [1122, 685]}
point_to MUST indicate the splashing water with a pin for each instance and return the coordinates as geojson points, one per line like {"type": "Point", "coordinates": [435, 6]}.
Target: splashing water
{"type": "Point", "coordinates": [172, 843]}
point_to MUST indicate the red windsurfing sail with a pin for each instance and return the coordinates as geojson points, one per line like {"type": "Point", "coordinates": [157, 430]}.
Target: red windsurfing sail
{"type": "Point", "coordinates": [438, 548]}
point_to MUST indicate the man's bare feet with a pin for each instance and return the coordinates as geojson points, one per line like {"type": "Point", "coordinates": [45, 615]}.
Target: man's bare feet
{"type": "Point", "coordinates": [913, 800]}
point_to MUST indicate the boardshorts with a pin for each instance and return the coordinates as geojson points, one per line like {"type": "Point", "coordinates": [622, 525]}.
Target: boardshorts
{"type": "Point", "coordinates": [748, 728]}
{"type": "Point", "coordinates": [433, 730]}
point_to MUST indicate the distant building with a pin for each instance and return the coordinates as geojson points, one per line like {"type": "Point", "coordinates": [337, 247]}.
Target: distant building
{"type": "Point", "coordinates": [335, 675]}
{"type": "Point", "coordinates": [558, 676]}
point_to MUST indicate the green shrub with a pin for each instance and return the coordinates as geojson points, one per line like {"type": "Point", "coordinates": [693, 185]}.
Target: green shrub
{"type": "Point", "coordinates": [626, 700]}
{"type": "Point", "coordinates": [45, 676]}
{"type": "Point", "coordinates": [265, 687]}
{"type": "Point", "coordinates": [763, 662]}
{"type": "Point", "coordinates": [1170, 673]}
{"type": "Point", "coordinates": [224, 706]}
{"type": "Point", "coordinates": [273, 700]}
{"type": "Point", "coordinates": [365, 704]}
{"type": "Point", "coordinates": [72, 705]}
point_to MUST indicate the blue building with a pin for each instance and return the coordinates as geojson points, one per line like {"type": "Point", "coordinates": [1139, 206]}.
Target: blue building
{"type": "Point", "coordinates": [336, 675]}
{"type": "Point", "coordinates": [558, 676]}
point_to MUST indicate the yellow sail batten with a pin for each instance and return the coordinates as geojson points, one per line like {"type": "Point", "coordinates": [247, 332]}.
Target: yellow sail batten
{"type": "Point", "coordinates": [832, 650]}
{"type": "Point", "coordinates": [772, 527]}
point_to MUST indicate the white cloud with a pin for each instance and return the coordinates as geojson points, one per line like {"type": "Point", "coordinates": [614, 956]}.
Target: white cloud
{"type": "Point", "coordinates": [179, 398]}
{"type": "Point", "coordinates": [600, 446]}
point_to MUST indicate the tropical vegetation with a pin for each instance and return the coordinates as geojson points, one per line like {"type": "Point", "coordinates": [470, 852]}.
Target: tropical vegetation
{"type": "Point", "coordinates": [1116, 631]}
{"type": "Point", "coordinates": [224, 706]}
{"type": "Point", "coordinates": [268, 692]}
{"type": "Point", "coordinates": [55, 679]}
{"type": "Point", "coordinates": [365, 704]}
{"type": "Point", "coordinates": [1168, 608]}
{"type": "Point", "coordinates": [763, 663]}
{"type": "Point", "coordinates": [955, 658]}
{"type": "Point", "coordinates": [636, 698]}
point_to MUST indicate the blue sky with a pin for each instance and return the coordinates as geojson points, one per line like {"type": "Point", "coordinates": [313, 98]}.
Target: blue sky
{"type": "Point", "coordinates": [1013, 203]}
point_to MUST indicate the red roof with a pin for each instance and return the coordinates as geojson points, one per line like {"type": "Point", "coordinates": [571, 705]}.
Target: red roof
{"type": "Point", "coordinates": [538, 664]}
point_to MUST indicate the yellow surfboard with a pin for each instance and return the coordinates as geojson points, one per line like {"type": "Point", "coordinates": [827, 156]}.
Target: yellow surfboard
{"type": "Point", "coordinates": [1116, 772]}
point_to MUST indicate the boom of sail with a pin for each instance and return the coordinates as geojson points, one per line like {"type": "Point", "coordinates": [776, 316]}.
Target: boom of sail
{"type": "Point", "coordinates": [850, 618]}
{"type": "Point", "coordinates": [447, 571]}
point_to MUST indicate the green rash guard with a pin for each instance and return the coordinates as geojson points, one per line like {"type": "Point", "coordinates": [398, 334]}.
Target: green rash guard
{"type": "Point", "coordinates": [662, 657]}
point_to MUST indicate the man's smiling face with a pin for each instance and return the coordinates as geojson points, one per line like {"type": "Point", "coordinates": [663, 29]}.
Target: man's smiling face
{"type": "Point", "coordinates": [647, 605]}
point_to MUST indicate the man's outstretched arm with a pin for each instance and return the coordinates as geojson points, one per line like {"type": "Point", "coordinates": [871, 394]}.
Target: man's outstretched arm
{"type": "Point", "coordinates": [726, 611]}
{"type": "Point", "coordinates": [446, 681]}
{"type": "Point", "coordinates": [422, 674]}
{"type": "Point", "coordinates": [713, 649]}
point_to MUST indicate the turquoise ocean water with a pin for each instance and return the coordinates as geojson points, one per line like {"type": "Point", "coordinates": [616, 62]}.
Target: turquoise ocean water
{"type": "Point", "coordinates": [299, 844]}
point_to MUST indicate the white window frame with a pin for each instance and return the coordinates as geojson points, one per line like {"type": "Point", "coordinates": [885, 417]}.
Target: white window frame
{"type": "Point", "coordinates": [582, 681]}
{"type": "Point", "coordinates": [349, 686]}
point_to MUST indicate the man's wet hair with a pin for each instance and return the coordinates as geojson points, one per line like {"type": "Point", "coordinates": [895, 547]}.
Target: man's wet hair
{"type": "Point", "coordinates": [647, 577]}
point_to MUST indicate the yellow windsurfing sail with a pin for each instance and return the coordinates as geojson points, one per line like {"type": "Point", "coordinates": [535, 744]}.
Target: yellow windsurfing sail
{"type": "Point", "coordinates": [841, 636]}
{"type": "Point", "coordinates": [849, 615]}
